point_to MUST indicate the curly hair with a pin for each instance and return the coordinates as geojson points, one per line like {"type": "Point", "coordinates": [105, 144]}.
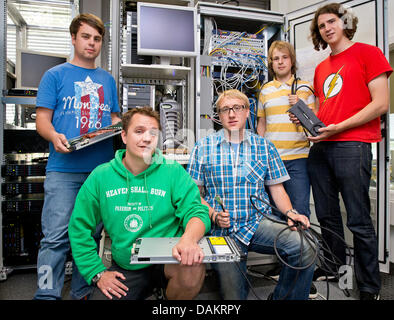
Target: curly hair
{"type": "Point", "coordinates": [349, 19]}
{"type": "Point", "coordinates": [282, 45]}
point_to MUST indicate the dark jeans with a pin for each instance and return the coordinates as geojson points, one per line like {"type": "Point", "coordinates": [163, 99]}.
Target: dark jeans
{"type": "Point", "coordinates": [345, 167]}
{"type": "Point", "coordinates": [298, 187]}
{"type": "Point", "coordinates": [141, 283]}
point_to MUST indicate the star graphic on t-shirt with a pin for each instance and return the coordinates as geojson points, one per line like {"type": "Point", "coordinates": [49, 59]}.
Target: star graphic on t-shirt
{"type": "Point", "coordinates": [88, 87]}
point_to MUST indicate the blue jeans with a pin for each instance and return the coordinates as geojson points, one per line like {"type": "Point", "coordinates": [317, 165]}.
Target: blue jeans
{"type": "Point", "coordinates": [233, 285]}
{"type": "Point", "coordinates": [345, 167]}
{"type": "Point", "coordinates": [61, 190]}
{"type": "Point", "coordinates": [298, 187]}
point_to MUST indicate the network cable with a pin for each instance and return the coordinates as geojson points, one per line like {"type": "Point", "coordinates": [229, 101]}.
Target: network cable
{"type": "Point", "coordinates": [309, 234]}
{"type": "Point", "coordinates": [295, 88]}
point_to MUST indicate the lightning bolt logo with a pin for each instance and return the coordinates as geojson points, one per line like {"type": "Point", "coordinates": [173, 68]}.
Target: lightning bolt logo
{"type": "Point", "coordinates": [332, 84]}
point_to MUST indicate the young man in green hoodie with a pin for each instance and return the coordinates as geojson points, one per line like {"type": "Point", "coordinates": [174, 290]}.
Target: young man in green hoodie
{"type": "Point", "coordinates": [140, 194]}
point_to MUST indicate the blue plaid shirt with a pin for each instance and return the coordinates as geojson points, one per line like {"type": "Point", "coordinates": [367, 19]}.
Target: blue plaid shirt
{"type": "Point", "coordinates": [235, 174]}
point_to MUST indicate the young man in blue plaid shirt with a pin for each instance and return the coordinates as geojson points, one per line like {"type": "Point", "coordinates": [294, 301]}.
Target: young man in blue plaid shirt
{"type": "Point", "coordinates": [234, 164]}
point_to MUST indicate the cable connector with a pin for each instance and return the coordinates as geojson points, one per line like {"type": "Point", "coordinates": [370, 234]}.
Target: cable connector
{"type": "Point", "coordinates": [219, 200]}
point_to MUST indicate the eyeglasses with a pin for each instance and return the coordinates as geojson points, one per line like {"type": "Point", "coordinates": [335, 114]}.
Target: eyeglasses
{"type": "Point", "coordinates": [235, 108]}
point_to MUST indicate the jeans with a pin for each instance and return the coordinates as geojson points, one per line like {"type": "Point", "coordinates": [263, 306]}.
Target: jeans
{"type": "Point", "coordinates": [292, 284]}
{"type": "Point", "coordinates": [298, 187]}
{"type": "Point", "coordinates": [345, 167]}
{"type": "Point", "coordinates": [61, 190]}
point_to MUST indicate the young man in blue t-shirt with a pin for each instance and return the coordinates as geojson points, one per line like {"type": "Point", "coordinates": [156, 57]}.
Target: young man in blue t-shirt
{"type": "Point", "coordinates": [73, 98]}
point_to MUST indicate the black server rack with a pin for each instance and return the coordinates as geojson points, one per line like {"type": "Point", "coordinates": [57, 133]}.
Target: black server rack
{"type": "Point", "coordinates": [22, 190]}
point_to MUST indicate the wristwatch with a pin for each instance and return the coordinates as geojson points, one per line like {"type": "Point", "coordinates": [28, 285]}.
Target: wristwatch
{"type": "Point", "coordinates": [97, 277]}
{"type": "Point", "coordinates": [292, 210]}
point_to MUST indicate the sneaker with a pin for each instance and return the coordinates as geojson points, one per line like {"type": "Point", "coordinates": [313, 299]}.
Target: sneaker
{"type": "Point", "coordinates": [159, 294]}
{"type": "Point", "coordinates": [87, 297]}
{"type": "Point", "coordinates": [369, 296]}
{"type": "Point", "coordinates": [321, 275]}
{"type": "Point", "coordinates": [312, 292]}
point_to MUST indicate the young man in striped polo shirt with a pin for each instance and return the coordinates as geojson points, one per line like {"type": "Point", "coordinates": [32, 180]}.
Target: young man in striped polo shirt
{"type": "Point", "coordinates": [274, 123]}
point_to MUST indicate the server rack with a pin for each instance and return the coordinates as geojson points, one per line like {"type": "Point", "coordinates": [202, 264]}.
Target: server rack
{"type": "Point", "coordinates": [23, 155]}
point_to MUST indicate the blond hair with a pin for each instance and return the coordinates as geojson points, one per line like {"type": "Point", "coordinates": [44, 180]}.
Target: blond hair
{"type": "Point", "coordinates": [235, 94]}
{"type": "Point", "coordinates": [282, 45]}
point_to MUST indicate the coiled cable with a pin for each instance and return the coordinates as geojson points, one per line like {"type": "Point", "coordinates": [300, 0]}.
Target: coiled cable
{"type": "Point", "coordinates": [313, 238]}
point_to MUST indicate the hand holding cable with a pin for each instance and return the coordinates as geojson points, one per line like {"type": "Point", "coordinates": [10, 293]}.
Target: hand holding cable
{"type": "Point", "coordinates": [293, 99]}
{"type": "Point", "coordinates": [294, 219]}
{"type": "Point", "coordinates": [222, 219]}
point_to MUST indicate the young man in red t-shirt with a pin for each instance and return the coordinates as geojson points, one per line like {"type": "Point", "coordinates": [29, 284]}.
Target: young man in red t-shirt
{"type": "Point", "coordinates": [351, 88]}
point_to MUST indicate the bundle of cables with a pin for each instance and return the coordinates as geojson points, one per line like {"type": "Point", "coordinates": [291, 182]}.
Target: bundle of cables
{"type": "Point", "coordinates": [243, 53]}
{"type": "Point", "coordinates": [323, 256]}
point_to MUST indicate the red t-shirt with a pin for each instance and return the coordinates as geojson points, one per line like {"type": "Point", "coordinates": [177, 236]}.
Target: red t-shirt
{"type": "Point", "coordinates": [341, 84]}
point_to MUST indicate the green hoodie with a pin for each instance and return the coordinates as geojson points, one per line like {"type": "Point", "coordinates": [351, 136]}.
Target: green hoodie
{"type": "Point", "coordinates": [158, 202]}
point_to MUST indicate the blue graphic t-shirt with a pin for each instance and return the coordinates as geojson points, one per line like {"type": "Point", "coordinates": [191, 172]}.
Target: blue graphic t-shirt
{"type": "Point", "coordinates": [82, 100]}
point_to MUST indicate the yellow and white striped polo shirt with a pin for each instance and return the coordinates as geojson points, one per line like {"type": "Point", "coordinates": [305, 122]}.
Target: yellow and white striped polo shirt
{"type": "Point", "coordinates": [289, 139]}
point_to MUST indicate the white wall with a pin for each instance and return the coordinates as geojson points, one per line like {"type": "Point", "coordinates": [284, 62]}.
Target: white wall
{"type": "Point", "coordinates": [391, 22]}
{"type": "Point", "coordinates": [286, 6]}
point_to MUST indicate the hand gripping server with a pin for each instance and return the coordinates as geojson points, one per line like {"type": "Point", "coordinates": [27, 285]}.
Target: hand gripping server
{"type": "Point", "coordinates": [307, 118]}
{"type": "Point", "coordinates": [159, 250]}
